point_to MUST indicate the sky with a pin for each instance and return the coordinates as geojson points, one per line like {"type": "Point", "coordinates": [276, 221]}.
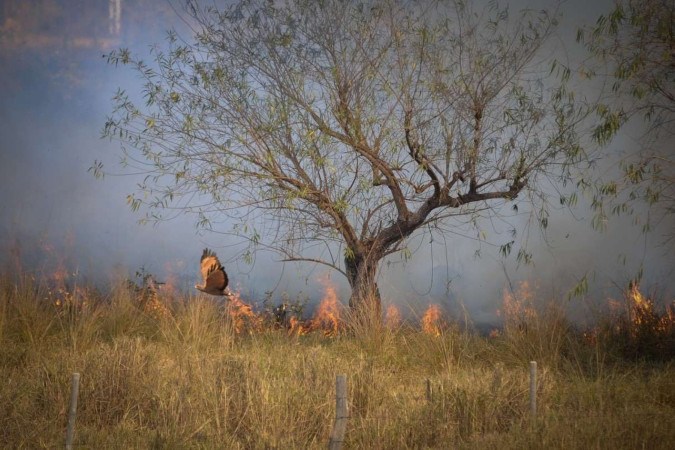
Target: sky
{"type": "Point", "coordinates": [57, 90]}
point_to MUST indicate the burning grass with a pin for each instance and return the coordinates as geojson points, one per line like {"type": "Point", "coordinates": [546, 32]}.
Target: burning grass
{"type": "Point", "coordinates": [195, 373]}
{"type": "Point", "coordinates": [432, 321]}
{"type": "Point", "coordinates": [637, 329]}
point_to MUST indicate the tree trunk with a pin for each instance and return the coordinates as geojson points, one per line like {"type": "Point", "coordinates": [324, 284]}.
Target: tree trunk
{"type": "Point", "coordinates": [361, 274]}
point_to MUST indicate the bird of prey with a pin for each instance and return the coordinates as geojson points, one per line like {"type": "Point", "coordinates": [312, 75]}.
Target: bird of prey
{"type": "Point", "coordinates": [213, 274]}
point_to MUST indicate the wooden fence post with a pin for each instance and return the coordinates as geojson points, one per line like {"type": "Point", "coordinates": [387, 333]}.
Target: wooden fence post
{"type": "Point", "coordinates": [337, 435]}
{"type": "Point", "coordinates": [72, 411]}
{"type": "Point", "coordinates": [533, 390]}
{"type": "Point", "coordinates": [497, 379]}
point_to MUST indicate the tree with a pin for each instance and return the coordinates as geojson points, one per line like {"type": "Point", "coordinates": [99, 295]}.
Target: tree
{"type": "Point", "coordinates": [633, 48]}
{"type": "Point", "coordinates": [335, 130]}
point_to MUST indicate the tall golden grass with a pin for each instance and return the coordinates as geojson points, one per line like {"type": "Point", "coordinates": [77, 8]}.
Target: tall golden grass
{"type": "Point", "coordinates": [177, 372]}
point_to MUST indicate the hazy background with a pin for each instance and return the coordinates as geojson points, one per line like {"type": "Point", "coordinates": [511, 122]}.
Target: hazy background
{"type": "Point", "coordinates": [56, 94]}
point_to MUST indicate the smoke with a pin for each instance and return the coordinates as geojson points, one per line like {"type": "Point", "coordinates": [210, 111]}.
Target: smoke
{"type": "Point", "coordinates": [55, 212]}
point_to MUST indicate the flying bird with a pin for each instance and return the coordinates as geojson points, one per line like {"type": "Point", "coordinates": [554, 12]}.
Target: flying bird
{"type": "Point", "coordinates": [213, 273]}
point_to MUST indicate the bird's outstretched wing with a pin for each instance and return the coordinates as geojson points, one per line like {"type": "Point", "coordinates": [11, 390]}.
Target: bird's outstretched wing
{"type": "Point", "coordinates": [213, 274]}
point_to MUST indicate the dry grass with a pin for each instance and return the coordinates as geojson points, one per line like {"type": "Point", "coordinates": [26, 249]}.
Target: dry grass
{"type": "Point", "coordinates": [181, 377]}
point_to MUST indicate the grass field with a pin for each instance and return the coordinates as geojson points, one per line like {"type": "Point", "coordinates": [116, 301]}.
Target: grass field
{"type": "Point", "coordinates": [170, 371]}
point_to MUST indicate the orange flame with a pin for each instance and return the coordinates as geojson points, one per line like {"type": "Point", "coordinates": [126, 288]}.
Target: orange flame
{"type": "Point", "coordinates": [155, 306]}
{"type": "Point", "coordinates": [640, 308]}
{"type": "Point", "coordinates": [518, 307]}
{"type": "Point", "coordinates": [638, 317]}
{"type": "Point", "coordinates": [61, 283]}
{"type": "Point", "coordinates": [432, 321]}
{"type": "Point", "coordinates": [642, 313]}
{"type": "Point", "coordinates": [296, 327]}
{"type": "Point", "coordinates": [59, 276]}
{"type": "Point", "coordinates": [392, 317]}
{"type": "Point", "coordinates": [150, 300]}
{"type": "Point", "coordinates": [170, 286]}
{"type": "Point", "coordinates": [327, 315]}
{"type": "Point", "coordinates": [172, 268]}
{"type": "Point", "coordinates": [243, 317]}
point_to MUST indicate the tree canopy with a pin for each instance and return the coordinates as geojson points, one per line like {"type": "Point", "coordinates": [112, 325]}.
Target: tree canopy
{"type": "Point", "coordinates": [332, 131]}
{"type": "Point", "coordinates": [633, 50]}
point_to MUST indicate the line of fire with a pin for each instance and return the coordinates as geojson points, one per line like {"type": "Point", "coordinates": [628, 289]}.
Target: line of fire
{"type": "Point", "coordinates": [637, 317]}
